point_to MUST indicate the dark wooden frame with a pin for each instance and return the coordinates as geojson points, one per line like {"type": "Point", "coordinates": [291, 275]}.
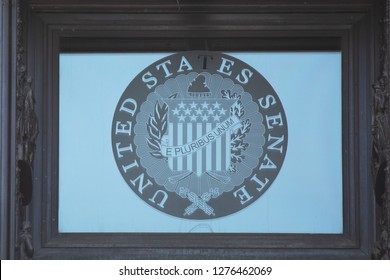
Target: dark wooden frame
{"type": "Point", "coordinates": [49, 27]}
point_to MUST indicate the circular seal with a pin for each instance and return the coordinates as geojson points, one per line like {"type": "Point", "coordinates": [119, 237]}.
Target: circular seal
{"type": "Point", "coordinates": [199, 135]}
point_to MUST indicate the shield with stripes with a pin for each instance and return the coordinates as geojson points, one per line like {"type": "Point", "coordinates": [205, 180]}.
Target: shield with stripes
{"type": "Point", "coordinates": [198, 134]}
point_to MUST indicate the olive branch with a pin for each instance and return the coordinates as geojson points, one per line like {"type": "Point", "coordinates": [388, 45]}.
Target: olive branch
{"type": "Point", "coordinates": [157, 127]}
{"type": "Point", "coordinates": [238, 108]}
{"type": "Point", "coordinates": [237, 144]}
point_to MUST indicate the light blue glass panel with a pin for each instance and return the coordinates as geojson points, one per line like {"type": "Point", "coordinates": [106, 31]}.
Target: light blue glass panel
{"type": "Point", "coordinates": [306, 197]}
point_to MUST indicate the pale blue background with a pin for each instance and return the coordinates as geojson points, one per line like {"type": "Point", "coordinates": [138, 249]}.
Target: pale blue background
{"type": "Point", "coordinates": [306, 197]}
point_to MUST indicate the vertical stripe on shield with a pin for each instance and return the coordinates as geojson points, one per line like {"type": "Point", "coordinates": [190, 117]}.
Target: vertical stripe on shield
{"type": "Point", "coordinates": [209, 151]}
{"type": "Point", "coordinates": [199, 152]}
{"type": "Point", "coordinates": [228, 151]}
{"type": "Point", "coordinates": [204, 155]}
{"type": "Point", "coordinates": [174, 132]}
{"type": "Point", "coordinates": [223, 152]}
{"type": "Point", "coordinates": [213, 162]}
{"type": "Point", "coordinates": [194, 155]}
{"type": "Point", "coordinates": [179, 136]}
{"type": "Point", "coordinates": [189, 140]}
{"type": "Point", "coordinates": [218, 154]}
{"type": "Point", "coordinates": [170, 143]}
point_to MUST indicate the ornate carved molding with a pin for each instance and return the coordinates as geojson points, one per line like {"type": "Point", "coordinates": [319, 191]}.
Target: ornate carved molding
{"type": "Point", "coordinates": [26, 134]}
{"type": "Point", "coordinates": [381, 143]}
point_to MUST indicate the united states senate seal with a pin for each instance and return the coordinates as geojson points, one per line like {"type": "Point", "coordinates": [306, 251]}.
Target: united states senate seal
{"type": "Point", "coordinates": [199, 135]}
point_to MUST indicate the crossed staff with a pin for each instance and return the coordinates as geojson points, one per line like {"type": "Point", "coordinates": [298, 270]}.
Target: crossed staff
{"type": "Point", "coordinates": [199, 202]}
